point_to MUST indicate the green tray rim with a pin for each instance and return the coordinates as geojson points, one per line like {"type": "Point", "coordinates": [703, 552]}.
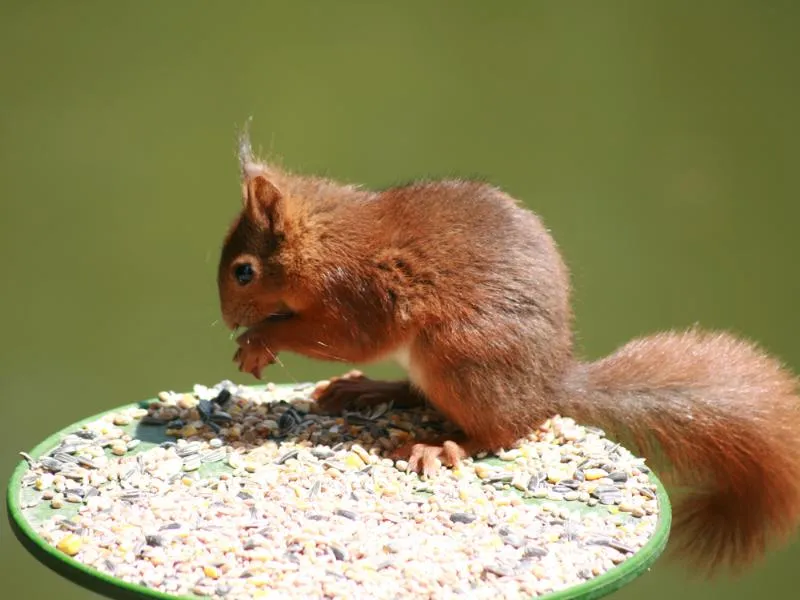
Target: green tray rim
{"type": "Point", "coordinates": [118, 589]}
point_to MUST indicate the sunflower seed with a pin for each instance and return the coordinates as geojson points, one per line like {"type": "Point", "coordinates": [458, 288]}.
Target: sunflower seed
{"type": "Point", "coordinates": [188, 449]}
{"type": "Point", "coordinates": [287, 456]}
{"type": "Point", "coordinates": [204, 408]}
{"type": "Point", "coordinates": [222, 397]}
{"type": "Point", "coordinates": [460, 517]}
{"type": "Point", "coordinates": [214, 456]}
{"type": "Point", "coordinates": [51, 464]}
{"type": "Point", "coordinates": [220, 417]}
{"type": "Point", "coordinates": [339, 553]}
{"type": "Point", "coordinates": [347, 514]}
{"type": "Point", "coordinates": [28, 458]}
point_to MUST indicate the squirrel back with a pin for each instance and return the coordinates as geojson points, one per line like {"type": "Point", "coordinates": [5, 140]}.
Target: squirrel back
{"type": "Point", "coordinates": [469, 288]}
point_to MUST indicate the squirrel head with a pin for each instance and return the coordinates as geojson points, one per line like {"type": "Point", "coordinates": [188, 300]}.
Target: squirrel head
{"type": "Point", "coordinates": [255, 264]}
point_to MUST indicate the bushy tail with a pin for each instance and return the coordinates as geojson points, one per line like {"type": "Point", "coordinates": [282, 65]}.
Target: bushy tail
{"type": "Point", "coordinates": [714, 415]}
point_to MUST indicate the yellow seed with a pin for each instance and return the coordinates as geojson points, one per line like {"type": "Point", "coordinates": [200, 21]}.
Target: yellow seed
{"type": "Point", "coordinates": [70, 544]}
{"type": "Point", "coordinates": [188, 481]}
{"type": "Point", "coordinates": [592, 474]}
{"type": "Point", "coordinates": [43, 483]}
{"type": "Point", "coordinates": [250, 467]}
{"type": "Point", "coordinates": [361, 452]}
{"type": "Point", "coordinates": [121, 420]}
{"type": "Point", "coordinates": [391, 490]}
{"type": "Point", "coordinates": [482, 471]}
{"type": "Point", "coordinates": [521, 481]}
{"type": "Point", "coordinates": [210, 571]}
{"type": "Point", "coordinates": [510, 455]}
{"type": "Point", "coordinates": [354, 461]}
{"type": "Point", "coordinates": [119, 449]}
{"type": "Point", "coordinates": [187, 401]}
{"type": "Point", "coordinates": [188, 431]}
{"type": "Point", "coordinates": [555, 475]}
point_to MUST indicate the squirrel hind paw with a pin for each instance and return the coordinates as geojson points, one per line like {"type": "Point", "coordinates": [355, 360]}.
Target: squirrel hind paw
{"type": "Point", "coordinates": [427, 458]}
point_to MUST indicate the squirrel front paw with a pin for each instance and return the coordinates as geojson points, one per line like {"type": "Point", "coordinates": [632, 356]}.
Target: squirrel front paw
{"type": "Point", "coordinates": [253, 358]}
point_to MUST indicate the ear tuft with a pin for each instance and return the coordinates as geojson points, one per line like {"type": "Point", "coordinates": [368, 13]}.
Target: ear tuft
{"type": "Point", "coordinates": [248, 163]}
{"type": "Point", "coordinates": [259, 195]}
{"type": "Point", "coordinates": [245, 148]}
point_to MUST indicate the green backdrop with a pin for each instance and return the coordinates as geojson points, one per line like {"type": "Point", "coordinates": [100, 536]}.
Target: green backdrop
{"type": "Point", "coordinates": [658, 141]}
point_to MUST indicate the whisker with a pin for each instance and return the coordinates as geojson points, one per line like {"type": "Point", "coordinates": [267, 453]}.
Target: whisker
{"type": "Point", "coordinates": [321, 354]}
{"type": "Point", "coordinates": [279, 362]}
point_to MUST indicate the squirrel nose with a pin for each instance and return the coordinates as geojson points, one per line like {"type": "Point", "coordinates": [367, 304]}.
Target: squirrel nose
{"type": "Point", "coordinates": [229, 322]}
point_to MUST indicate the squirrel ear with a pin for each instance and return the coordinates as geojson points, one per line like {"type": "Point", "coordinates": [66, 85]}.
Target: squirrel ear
{"type": "Point", "coordinates": [261, 199]}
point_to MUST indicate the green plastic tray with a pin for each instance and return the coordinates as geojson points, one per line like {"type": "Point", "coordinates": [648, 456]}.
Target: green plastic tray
{"type": "Point", "coordinates": [23, 522]}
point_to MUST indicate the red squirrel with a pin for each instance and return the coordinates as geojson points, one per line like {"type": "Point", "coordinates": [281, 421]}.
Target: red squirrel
{"type": "Point", "coordinates": [466, 289]}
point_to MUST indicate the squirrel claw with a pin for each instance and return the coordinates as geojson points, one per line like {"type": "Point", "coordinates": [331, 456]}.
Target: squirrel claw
{"type": "Point", "coordinates": [251, 361]}
{"type": "Point", "coordinates": [426, 459]}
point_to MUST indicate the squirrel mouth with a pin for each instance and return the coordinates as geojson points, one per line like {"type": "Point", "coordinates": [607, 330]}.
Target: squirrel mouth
{"type": "Point", "coordinates": [273, 317]}
{"type": "Point", "coordinates": [280, 315]}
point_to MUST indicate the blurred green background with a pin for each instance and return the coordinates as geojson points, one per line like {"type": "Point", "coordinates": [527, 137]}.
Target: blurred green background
{"type": "Point", "coordinates": [658, 140]}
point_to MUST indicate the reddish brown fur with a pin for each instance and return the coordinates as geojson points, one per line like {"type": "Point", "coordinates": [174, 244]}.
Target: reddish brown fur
{"type": "Point", "coordinates": [719, 418]}
{"type": "Point", "coordinates": [471, 289]}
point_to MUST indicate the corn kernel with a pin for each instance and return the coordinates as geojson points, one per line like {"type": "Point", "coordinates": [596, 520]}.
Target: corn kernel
{"type": "Point", "coordinates": [70, 544]}
{"type": "Point", "coordinates": [211, 571]}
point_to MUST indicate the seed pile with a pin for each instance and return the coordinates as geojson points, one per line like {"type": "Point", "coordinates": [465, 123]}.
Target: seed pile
{"type": "Point", "coordinates": [252, 493]}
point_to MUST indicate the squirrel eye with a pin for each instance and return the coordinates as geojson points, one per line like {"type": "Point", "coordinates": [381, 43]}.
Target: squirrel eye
{"type": "Point", "coordinates": [244, 273]}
